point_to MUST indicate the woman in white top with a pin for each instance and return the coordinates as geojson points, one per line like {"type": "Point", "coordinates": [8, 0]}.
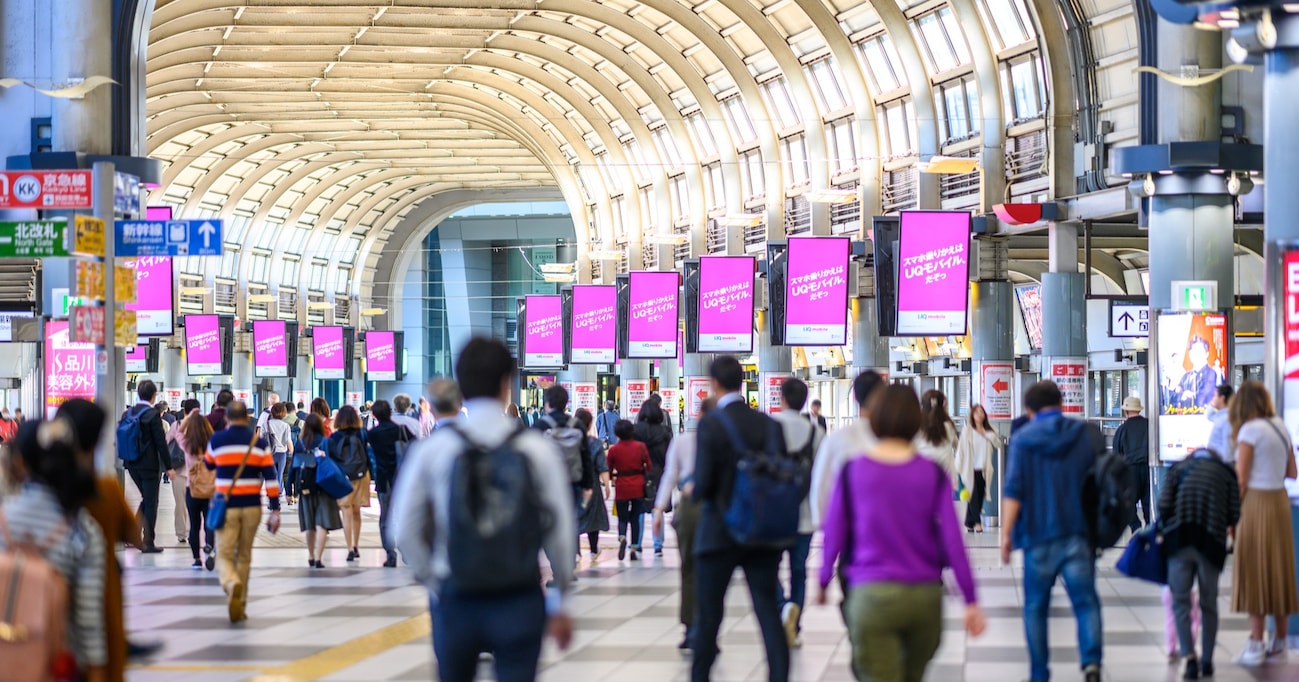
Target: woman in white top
{"type": "Point", "coordinates": [978, 445]}
{"type": "Point", "coordinates": [1263, 582]}
{"type": "Point", "coordinates": [937, 439]}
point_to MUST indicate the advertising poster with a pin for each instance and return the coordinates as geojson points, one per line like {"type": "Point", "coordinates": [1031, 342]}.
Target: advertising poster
{"type": "Point", "coordinates": [1290, 326]}
{"type": "Point", "coordinates": [585, 397]}
{"type": "Point", "coordinates": [355, 399]}
{"type": "Point", "coordinates": [1192, 358]}
{"type": "Point", "coordinates": [69, 368]}
{"type": "Point", "coordinates": [1030, 307]}
{"type": "Point", "coordinates": [328, 352]}
{"type": "Point", "coordinates": [203, 345]}
{"type": "Point", "coordinates": [933, 273]}
{"type": "Point", "coordinates": [595, 329]}
{"type": "Point", "coordinates": [173, 396]}
{"type": "Point", "coordinates": [543, 337]}
{"type": "Point", "coordinates": [770, 396]}
{"type": "Point", "coordinates": [302, 398]}
{"type": "Point", "coordinates": [380, 356]}
{"type": "Point", "coordinates": [243, 395]}
{"type": "Point", "coordinates": [270, 348]}
{"type": "Point", "coordinates": [816, 291]}
{"type": "Point", "coordinates": [652, 315]}
{"type": "Point", "coordinates": [725, 304]}
{"type": "Point", "coordinates": [1070, 374]}
{"type": "Point", "coordinates": [153, 296]}
{"type": "Point", "coordinates": [697, 391]}
{"type": "Point", "coordinates": [671, 402]}
{"type": "Point", "coordinates": [996, 388]}
{"type": "Point", "coordinates": [137, 359]}
{"type": "Point", "coordinates": [637, 393]}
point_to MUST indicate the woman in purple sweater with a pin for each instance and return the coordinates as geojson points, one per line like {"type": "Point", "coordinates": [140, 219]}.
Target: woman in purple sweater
{"type": "Point", "coordinates": [892, 563]}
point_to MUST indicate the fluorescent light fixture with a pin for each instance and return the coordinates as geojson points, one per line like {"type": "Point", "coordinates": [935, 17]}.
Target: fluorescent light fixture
{"type": "Point", "coordinates": [557, 268]}
{"type": "Point", "coordinates": [194, 291]}
{"type": "Point", "coordinates": [319, 305]}
{"type": "Point", "coordinates": [743, 219]}
{"type": "Point", "coordinates": [948, 165]}
{"type": "Point", "coordinates": [556, 278]}
{"type": "Point", "coordinates": [605, 254]}
{"type": "Point", "coordinates": [671, 239]}
{"type": "Point", "coordinates": [373, 312]}
{"type": "Point", "coordinates": [261, 298]}
{"type": "Point", "coordinates": [832, 196]}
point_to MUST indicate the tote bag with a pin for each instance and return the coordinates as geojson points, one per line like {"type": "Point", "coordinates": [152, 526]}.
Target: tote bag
{"type": "Point", "coordinates": [331, 480]}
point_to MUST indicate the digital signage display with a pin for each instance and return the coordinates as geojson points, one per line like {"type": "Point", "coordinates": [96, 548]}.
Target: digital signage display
{"type": "Point", "coordinates": [1030, 308]}
{"type": "Point", "coordinates": [816, 291]}
{"type": "Point", "coordinates": [203, 345]}
{"type": "Point", "coordinates": [1192, 363]}
{"type": "Point", "coordinates": [595, 329]}
{"type": "Point", "coordinates": [933, 273]}
{"type": "Point", "coordinates": [543, 338]}
{"type": "Point", "coordinates": [137, 359]}
{"type": "Point", "coordinates": [381, 356]}
{"type": "Point", "coordinates": [155, 315]}
{"type": "Point", "coordinates": [270, 348]}
{"type": "Point", "coordinates": [726, 304]}
{"type": "Point", "coordinates": [652, 314]}
{"type": "Point", "coordinates": [69, 367]}
{"type": "Point", "coordinates": [329, 356]}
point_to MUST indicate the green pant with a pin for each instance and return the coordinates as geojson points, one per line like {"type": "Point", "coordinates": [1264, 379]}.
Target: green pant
{"type": "Point", "coordinates": [895, 629]}
{"type": "Point", "coordinates": [685, 520]}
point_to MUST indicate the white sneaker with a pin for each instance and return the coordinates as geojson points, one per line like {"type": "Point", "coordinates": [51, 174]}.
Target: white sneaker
{"type": "Point", "coordinates": [1253, 655]}
{"type": "Point", "coordinates": [1276, 651]}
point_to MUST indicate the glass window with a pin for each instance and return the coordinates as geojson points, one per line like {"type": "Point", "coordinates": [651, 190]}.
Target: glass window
{"type": "Point", "coordinates": [343, 281]}
{"type": "Point", "coordinates": [647, 211]}
{"type": "Point", "coordinates": [829, 92]}
{"type": "Point", "coordinates": [960, 105]}
{"type": "Point", "coordinates": [618, 207]}
{"type": "Point", "coordinates": [297, 239]}
{"type": "Point", "coordinates": [229, 268]}
{"type": "Point", "coordinates": [639, 164]}
{"type": "Point", "coordinates": [667, 147]}
{"type": "Point", "coordinates": [881, 63]}
{"type": "Point", "coordinates": [843, 143]}
{"type": "Point", "coordinates": [287, 275]}
{"type": "Point", "coordinates": [794, 149]}
{"type": "Point", "coordinates": [317, 276]}
{"type": "Point", "coordinates": [351, 247]}
{"type": "Point", "coordinates": [701, 134]}
{"type": "Point", "coordinates": [737, 118]}
{"type": "Point", "coordinates": [1011, 20]}
{"type": "Point", "coordinates": [714, 186]}
{"type": "Point", "coordinates": [752, 174]}
{"type": "Point", "coordinates": [238, 225]}
{"type": "Point", "coordinates": [900, 139]}
{"type": "Point", "coordinates": [1027, 94]}
{"type": "Point", "coordinates": [257, 266]}
{"type": "Point", "coordinates": [680, 197]}
{"type": "Point", "coordinates": [777, 92]}
{"type": "Point", "coordinates": [945, 46]}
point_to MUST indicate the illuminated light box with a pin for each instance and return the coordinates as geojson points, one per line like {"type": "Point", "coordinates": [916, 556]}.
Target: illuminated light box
{"type": "Point", "coordinates": [543, 337]}
{"type": "Point", "coordinates": [933, 273]}
{"type": "Point", "coordinates": [154, 307]}
{"type": "Point", "coordinates": [203, 345]}
{"type": "Point", "coordinates": [726, 304]}
{"type": "Point", "coordinates": [652, 315]}
{"type": "Point", "coordinates": [270, 348]}
{"type": "Point", "coordinates": [329, 353]}
{"type": "Point", "coordinates": [816, 291]}
{"type": "Point", "coordinates": [380, 356]}
{"type": "Point", "coordinates": [594, 324]}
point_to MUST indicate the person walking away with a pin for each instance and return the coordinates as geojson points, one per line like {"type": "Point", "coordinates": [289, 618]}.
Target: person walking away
{"type": "Point", "coordinates": [1198, 507]}
{"type": "Point", "coordinates": [1220, 432]}
{"type": "Point", "coordinates": [242, 461]}
{"type": "Point", "coordinates": [1042, 509]}
{"type": "Point", "coordinates": [512, 411]}
{"type": "Point", "coordinates": [604, 425]}
{"type": "Point", "coordinates": [1132, 441]}
{"type": "Point", "coordinates": [320, 408]}
{"type": "Point", "coordinates": [814, 413]}
{"type": "Point", "coordinates": [843, 445]}
{"type": "Point", "coordinates": [446, 404]}
{"type": "Point", "coordinates": [570, 439]}
{"type": "Point", "coordinates": [717, 552]}
{"type": "Point", "coordinates": [196, 435]}
{"type": "Point", "coordinates": [386, 439]}
{"type": "Point", "coordinates": [401, 415]}
{"type": "Point", "coordinates": [217, 417]}
{"type": "Point", "coordinates": [484, 578]}
{"type": "Point", "coordinates": [142, 447]}
{"type": "Point", "coordinates": [277, 433]}
{"type": "Point", "coordinates": [302, 412]}
{"type": "Point", "coordinates": [594, 517]}
{"type": "Point", "coordinates": [176, 457]}
{"type": "Point", "coordinates": [802, 439]}
{"type": "Point", "coordinates": [348, 445]}
{"type": "Point", "coordinates": [317, 512]}
{"type": "Point", "coordinates": [893, 563]}
{"type": "Point", "coordinates": [655, 431]}
{"type": "Point", "coordinates": [678, 475]}
{"type": "Point", "coordinates": [975, 454]}
{"type": "Point", "coordinates": [629, 464]}
{"type": "Point", "coordinates": [47, 517]}
{"type": "Point", "coordinates": [938, 435]}
{"type": "Point", "coordinates": [1263, 581]}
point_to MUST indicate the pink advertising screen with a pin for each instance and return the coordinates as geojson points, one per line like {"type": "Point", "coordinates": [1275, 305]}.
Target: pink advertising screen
{"type": "Point", "coordinates": [933, 273]}
{"type": "Point", "coordinates": [595, 330]}
{"type": "Point", "coordinates": [652, 315]}
{"type": "Point", "coordinates": [725, 304]}
{"type": "Point", "coordinates": [329, 352]}
{"type": "Point", "coordinates": [153, 303]}
{"type": "Point", "coordinates": [203, 345]}
{"type": "Point", "coordinates": [543, 339]}
{"type": "Point", "coordinates": [69, 367]}
{"type": "Point", "coordinates": [157, 213]}
{"type": "Point", "coordinates": [816, 291]}
{"type": "Point", "coordinates": [137, 359]}
{"type": "Point", "coordinates": [380, 356]}
{"type": "Point", "coordinates": [270, 348]}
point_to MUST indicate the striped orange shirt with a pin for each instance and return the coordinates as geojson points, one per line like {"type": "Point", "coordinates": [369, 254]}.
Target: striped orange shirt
{"type": "Point", "coordinates": [225, 453]}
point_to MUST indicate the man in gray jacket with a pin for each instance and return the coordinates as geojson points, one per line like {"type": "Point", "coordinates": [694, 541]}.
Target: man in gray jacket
{"type": "Point", "coordinates": [802, 439]}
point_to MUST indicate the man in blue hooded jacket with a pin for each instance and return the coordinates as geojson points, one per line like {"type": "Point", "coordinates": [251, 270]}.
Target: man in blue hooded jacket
{"type": "Point", "coordinates": [1042, 511]}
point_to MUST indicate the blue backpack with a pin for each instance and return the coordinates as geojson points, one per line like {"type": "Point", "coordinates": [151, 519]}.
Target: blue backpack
{"type": "Point", "coordinates": [128, 436]}
{"type": "Point", "coordinates": [769, 489]}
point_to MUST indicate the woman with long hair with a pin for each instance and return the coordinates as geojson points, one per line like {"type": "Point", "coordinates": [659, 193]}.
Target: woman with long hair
{"type": "Point", "coordinates": [938, 432]}
{"type": "Point", "coordinates": [195, 435]}
{"type": "Point", "coordinates": [1263, 581]}
{"type": "Point", "coordinates": [317, 512]}
{"type": "Point", "coordinates": [348, 446]}
{"type": "Point", "coordinates": [652, 430]}
{"type": "Point", "coordinates": [594, 517]}
{"type": "Point", "coordinates": [320, 408]}
{"type": "Point", "coordinates": [974, 456]}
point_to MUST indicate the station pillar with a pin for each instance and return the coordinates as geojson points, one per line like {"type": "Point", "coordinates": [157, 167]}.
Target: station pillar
{"type": "Point", "coordinates": [992, 373]}
{"type": "Point", "coordinates": [869, 349]}
{"type": "Point", "coordinates": [775, 364]}
{"type": "Point", "coordinates": [633, 381]}
{"type": "Point", "coordinates": [695, 371]}
{"type": "Point", "coordinates": [580, 374]}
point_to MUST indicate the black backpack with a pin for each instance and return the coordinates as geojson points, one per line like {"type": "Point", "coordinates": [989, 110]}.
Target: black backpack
{"type": "Point", "coordinates": [352, 456]}
{"type": "Point", "coordinates": [1109, 502]}
{"type": "Point", "coordinates": [497, 520]}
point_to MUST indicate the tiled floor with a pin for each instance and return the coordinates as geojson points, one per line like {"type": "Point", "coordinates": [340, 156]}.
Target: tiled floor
{"type": "Point", "coordinates": [363, 623]}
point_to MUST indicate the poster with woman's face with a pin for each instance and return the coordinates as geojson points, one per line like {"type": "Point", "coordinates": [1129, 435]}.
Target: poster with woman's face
{"type": "Point", "coordinates": [1192, 362]}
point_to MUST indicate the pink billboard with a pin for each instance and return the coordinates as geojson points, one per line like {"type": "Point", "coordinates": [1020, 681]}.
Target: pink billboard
{"type": "Point", "coordinates": [330, 357]}
{"type": "Point", "coordinates": [381, 356]}
{"type": "Point", "coordinates": [270, 348]}
{"type": "Point", "coordinates": [203, 345]}
{"type": "Point", "coordinates": [725, 304]}
{"type": "Point", "coordinates": [652, 315]}
{"type": "Point", "coordinates": [543, 337]}
{"type": "Point", "coordinates": [153, 302]}
{"type": "Point", "coordinates": [595, 330]}
{"type": "Point", "coordinates": [816, 291]}
{"type": "Point", "coordinates": [933, 273]}
{"type": "Point", "coordinates": [137, 359]}
{"type": "Point", "coordinates": [69, 367]}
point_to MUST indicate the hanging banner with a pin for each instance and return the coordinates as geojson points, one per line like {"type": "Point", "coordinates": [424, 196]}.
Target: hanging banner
{"type": "Point", "coordinates": [652, 315]}
{"type": "Point", "coordinates": [585, 397]}
{"type": "Point", "coordinates": [69, 368]}
{"type": "Point", "coordinates": [934, 273]}
{"type": "Point", "coordinates": [543, 342]}
{"type": "Point", "coordinates": [816, 291]}
{"type": "Point", "coordinates": [154, 307]}
{"type": "Point", "coordinates": [637, 393]}
{"type": "Point", "coordinates": [595, 329]}
{"type": "Point", "coordinates": [996, 386]}
{"type": "Point", "coordinates": [329, 354]}
{"type": "Point", "coordinates": [137, 359]}
{"type": "Point", "coordinates": [270, 348]}
{"type": "Point", "coordinates": [380, 356]}
{"type": "Point", "coordinates": [726, 304]}
{"type": "Point", "coordinates": [1191, 364]}
{"type": "Point", "coordinates": [203, 345]}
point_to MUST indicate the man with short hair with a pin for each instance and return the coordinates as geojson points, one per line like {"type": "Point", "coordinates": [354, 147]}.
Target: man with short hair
{"type": "Point", "coordinates": [217, 417]}
{"type": "Point", "coordinates": [556, 416]}
{"type": "Point", "coordinates": [18, 415]}
{"type": "Point", "coordinates": [1132, 442]}
{"type": "Point", "coordinates": [401, 416]}
{"type": "Point", "coordinates": [802, 438]}
{"type": "Point", "coordinates": [1042, 514]}
{"type": "Point", "coordinates": [164, 411]}
{"type": "Point", "coordinates": [843, 445]}
{"type": "Point", "coordinates": [445, 401]}
{"type": "Point", "coordinates": [154, 459]}
{"type": "Point", "coordinates": [814, 413]}
{"type": "Point", "coordinates": [302, 411]}
{"type": "Point", "coordinates": [1220, 433]}
{"type": "Point", "coordinates": [604, 424]}
{"type": "Point", "coordinates": [510, 621]}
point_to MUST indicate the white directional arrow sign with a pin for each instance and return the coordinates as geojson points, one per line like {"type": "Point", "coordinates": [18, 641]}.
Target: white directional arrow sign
{"type": "Point", "coordinates": [207, 230]}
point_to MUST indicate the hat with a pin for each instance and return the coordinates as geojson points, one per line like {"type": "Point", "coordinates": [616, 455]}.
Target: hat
{"type": "Point", "coordinates": [1132, 404]}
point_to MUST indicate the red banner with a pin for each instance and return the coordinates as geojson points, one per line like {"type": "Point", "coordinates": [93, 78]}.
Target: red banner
{"type": "Point", "coordinates": [1291, 321]}
{"type": "Point", "coordinates": [62, 189]}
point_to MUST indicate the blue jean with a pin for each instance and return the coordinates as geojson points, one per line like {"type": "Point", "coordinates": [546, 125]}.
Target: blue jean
{"type": "Point", "coordinates": [510, 627]}
{"type": "Point", "coordinates": [797, 574]}
{"type": "Point", "coordinates": [1071, 559]}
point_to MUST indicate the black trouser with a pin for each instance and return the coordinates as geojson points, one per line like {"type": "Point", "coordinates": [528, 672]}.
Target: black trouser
{"type": "Point", "coordinates": [1139, 473]}
{"type": "Point", "coordinates": [713, 573]}
{"type": "Point", "coordinates": [592, 540]}
{"type": "Point", "coordinates": [197, 519]}
{"type": "Point", "coordinates": [147, 481]}
{"type": "Point", "coordinates": [629, 514]}
{"type": "Point", "coordinates": [974, 511]}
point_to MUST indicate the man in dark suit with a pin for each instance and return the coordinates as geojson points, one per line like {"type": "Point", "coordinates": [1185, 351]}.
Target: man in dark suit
{"type": "Point", "coordinates": [717, 553]}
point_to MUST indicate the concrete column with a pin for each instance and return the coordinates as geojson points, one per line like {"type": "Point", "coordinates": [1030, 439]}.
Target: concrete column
{"type": "Point", "coordinates": [695, 368]}
{"type": "Point", "coordinates": [774, 362]}
{"type": "Point", "coordinates": [577, 374]}
{"type": "Point", "coordinates": [467, 283]}
{"type": "Point", "coordinates": [1064, 316]}
{"type": "Point", "coordinates": [242, 376]}
{"type": "Point", "coordinates": [992, 327]}
{"type": "Point", "coordinates": [630, 371]}
{"type": "Point", "coordinates": [1280, 231]}
{"type": "Point", "coordinates": [1188, 114]}
{"type": "Point", "coordinates": [1191, 237]}
{"type": "Point", "coordinates": [83, 48]}
{"type": "Point", "coordinates": [869, 349]}
{"type": "Point", "coordinates": [172, 367]}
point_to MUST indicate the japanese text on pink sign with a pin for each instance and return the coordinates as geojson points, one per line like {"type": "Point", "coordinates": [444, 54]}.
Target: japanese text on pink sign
{"type": "Point", "coordinates": [270, 348]}
{"type": "Point", "coordinates": [652, 315]}
{"type": "Point", "coordinates": [69, 367]}
{"type": "Point", "coordinates": [726, 304]}
{"type": "Point", "coordinates": [933, 273]}
{"type": "Point", "coordinates": [153, 304]}
{"type": "Point", "coordinates": [137, 359]}
{"type": "Point", "coordinates": [595, 331]}
{"type": "Point", "coordinates": [329, 357]}
{"type": "Point", "coordinates": [381, 356]}
{"type": "Point", "coordinates": [543, 344]}
{"type": "Point", "coordinates": [816, 291]}
{"type": "Point", "coordinates": [203, 345]}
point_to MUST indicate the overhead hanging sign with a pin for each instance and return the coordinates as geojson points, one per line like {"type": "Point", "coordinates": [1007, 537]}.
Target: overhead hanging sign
{"type": "Point", "coordinates": [595, 330]}
{"type": "Point", "coordinates": [203, 345]}
{"type": "Point", "coordinates": [56, 189]}
{"type": "Point", "coordinates": [381, 356]}
{"type": "Point", "coordinates": [543, 340]}
{"type": "Point", "coordinates": [329, 356]}
{"type": "Point", "coordinates": [154, 298]}
{"type": "Point", "coordinates": [137, 359]}
{"type": "Point", "coordinates": [652, 315]}
{"type": "Point", "coordinates": [270, 348]}
{"type": "Point", "coordinates": [726, 304]}
{"type": "Point", "coordinates": [816, 291]}
{"type": "Point", "coordinates": [168, 238]}
{"type": "Point", "coordinates": [1030, 308]}
{"type": "Point", "coordinates": [1129, 320]}
{"type": "Point", "coordinates": [933, 273]}
{"type": "Point", "coordinates": [88, 236]}
{"type": "Point", "coordinates": [34, 239]}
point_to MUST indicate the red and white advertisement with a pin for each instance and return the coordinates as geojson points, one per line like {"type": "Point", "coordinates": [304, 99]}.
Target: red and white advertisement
{"type": "Point", "coordinates": [671, 401]}
{"type": "Point", "coordinates": [770, 390]}
{"type": "Point", "coordinates": [87, 325]}
{"type": "Point", "coordinates": [697, 391]}
{"type": "Point", "coordinates": [174, 397]}
{"type": "Point", "coordinates": [996, 389]}
{"type": "Point", "coordinates": [355, 399]}
{"type": "Point", "coordinates": [1070, 374]}
{"type": "Point", "coordinates": [69, 367]}
{"type": "Point", "coordinates": [243, 395]}
{"type": "Point", "coordinates": [637, 393]}
{"type": "Point", "coordinates": [301, 397]}
{"type": "Point", "coordinates": [62, 189]}
{"type": "Point", "coordinates": [1291, 284]}
{"type": "Point", "coordinates": [585, 396]}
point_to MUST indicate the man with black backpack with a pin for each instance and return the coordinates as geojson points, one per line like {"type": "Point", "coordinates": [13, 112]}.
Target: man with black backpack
{"type": "Point", "coordinates": [802, 439]}
{"type": "Point", "coordinates": [475, 504]}
{"type": "Point", "coordinates": [142, 447]}
{"type": "Point", "coordinates": [1050, 463]}
{"type": "Point", "coordinates": [568, 435]}
{"type": "Point", "coordinates": [751, 492]}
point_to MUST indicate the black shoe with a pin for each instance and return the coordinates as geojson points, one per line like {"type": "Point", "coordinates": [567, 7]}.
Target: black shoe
{"type": "Point", "coordinates": [685, 644]}
{"type": "Point", "coordinates": [634, 556]}
{"type": "Point", "coordinates": [658, 551]}
{"type": "Point", "coordinates": [622, 548]}
{"type": "Point", "coordinates": [138, 649]}
{"type": "Point", "coordinates": [1206, 668]}
{"type": "Point", "coordinates": [151, 549]}
{"type": "Point", "coordinates": [351, 555]}
{"type": "Point", "coordinates": [1092, 673]}
{"type": "Point", "coordinates": [1192, 671]}
{"type": "Point", "coordinates": [210, 563]}
{"type": "Point", "coordinates": [391, 562]}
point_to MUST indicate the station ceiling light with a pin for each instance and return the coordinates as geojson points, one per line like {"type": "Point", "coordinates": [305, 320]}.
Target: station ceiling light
{"type": "Point", "coordinates": [556, 268]}
{"type": "Point", "coordinates": [742, 219]}
{"type": "Point", "coordinates": [605, 254]}
{"type": "Point", "coordinates": [670, 239]}
{"type": "Point", "coordinates": [832, 196]}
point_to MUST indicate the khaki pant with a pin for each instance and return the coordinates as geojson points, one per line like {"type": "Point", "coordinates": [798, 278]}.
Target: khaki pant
{"type": "Point", "coordinates": [234, 547]}
{"type": "Point", "coordinates": [895, 630]}
{"type": "Point", "coordinates": [685, 520]}
{"type": "Point", "coordinates": [180, 513]}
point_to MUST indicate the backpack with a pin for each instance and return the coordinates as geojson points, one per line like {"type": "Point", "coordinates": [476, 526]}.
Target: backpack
{"type": "Point", "coordinates": [129, 434]}
{"type": "Point", "coordinates": [202, 481]}
{"type": "Point", "coordinates": [1109, 502]}
{"type": "Point", "coordinates": [34, 607]}
{"type": "Point", "coordinates": [571, 441]}
{"type": "Point", "coordinates": [352, 456]}
{"type": "Point", "coordinates": [805, 457]}
{"type": "Point", "coordinates": [497, 520]}
{"type": "Point", "coordinates": [769, 489]}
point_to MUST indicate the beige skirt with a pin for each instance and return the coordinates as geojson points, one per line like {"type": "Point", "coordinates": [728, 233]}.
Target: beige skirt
{"type": "Point", "coordinates": [1263, 581]}
{"type": "Point", "coordinates": [360, 496]}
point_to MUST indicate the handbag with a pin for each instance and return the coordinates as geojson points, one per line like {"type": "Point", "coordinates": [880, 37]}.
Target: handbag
{"type": "Point", "coordinates": [331, 480]}
{"type": "Point", "coordinates": [202, 481]}
{"type": "Point", "coordinates": [216, 510]}
{"type": "Point", "coordinates": [1143, 558]}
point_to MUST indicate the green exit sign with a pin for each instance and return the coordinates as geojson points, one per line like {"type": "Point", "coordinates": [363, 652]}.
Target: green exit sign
{"type": "Point", "coordinates": [66, 304]}
{"type": "Point", "coordinates": [1195, 295]}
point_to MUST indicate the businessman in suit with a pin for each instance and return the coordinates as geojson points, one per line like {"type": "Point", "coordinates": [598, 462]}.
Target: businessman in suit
{"type": "Point", "coordinates": [717, 554]}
